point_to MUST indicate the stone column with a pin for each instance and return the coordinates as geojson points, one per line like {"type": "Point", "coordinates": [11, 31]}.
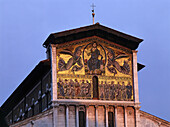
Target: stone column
{"type": "Point", "coordinates": [125, 115]}
{"type": "Point", "coordinates": [106, 111]}
{"type": "Point", "coordinates": [96, 115]}
{"type": "Point", "coordinates": [115, 116]}
{"type": "Point", "coordinates": [54, 71]}
{"type": "Point", "coordinates": [77, 116]}
{"type": "Point", "coordinates": [87, 117]}
{"type": "Point", "coordinates": [135, 76]}
{"type": "Point", "coordinates": [67, 116]}
{"type": "Point", "coordinates": [55, 114]}
{"type": "Point", "coordinates": [137, 116]}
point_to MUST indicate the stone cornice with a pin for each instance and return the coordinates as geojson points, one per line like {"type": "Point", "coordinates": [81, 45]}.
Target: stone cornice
{"type": "Point", "coordinates": [94, 102]}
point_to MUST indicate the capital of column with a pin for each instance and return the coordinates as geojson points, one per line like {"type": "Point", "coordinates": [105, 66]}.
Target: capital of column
{"type": "Point", "coordinates": [125, 106]}
{"type": "Point", "coordinates": [115, 106]}
{"type": "Point", "coordinates": [54, 45]}
{"type": "Point", "coordinates": [96, 106]}
{"type": "Point", "coordinates": [77, 105]}
{"type": "Point", "coordinates": [134, 51]}
{"type": "Point", "coordinates": [137, 107]}
{"type": "Point", "coordinates": [67, 105]}
{"type": "Point", "coordinates": [87, 105]}
{"type": "Point", "coordinates": [55, 105]}
{"type": "Point", "coordinates": [106, 106]}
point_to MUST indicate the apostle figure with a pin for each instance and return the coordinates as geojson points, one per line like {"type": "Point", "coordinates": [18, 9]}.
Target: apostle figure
{"type": "Point", "coordinates": [72, 90]}
{"type": "Point", "coordinates": [101, 90]}
{"type": "Point", "coordinates": [112, 90]}
{"type": "Point", "coordinates": [83, 89]}
{"type": "Point", "coordinates": [60, 87]}
{"type": "Point", "coordinates": [118, 92]}
{"type": "Point", "coordinates": [88, 88]}
{"type": "Point", "coordinates": [123, 89]}
{"type": "Point", "coordinates": [106, 88]}
{"type": "Point", "coordinates": [129, 91]}
{"type": "Point", "coordinates": [77, 88]}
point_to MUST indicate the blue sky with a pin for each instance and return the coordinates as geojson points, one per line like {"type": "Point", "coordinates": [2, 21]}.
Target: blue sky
{"type": "Point", "coordinates": [25, 25]}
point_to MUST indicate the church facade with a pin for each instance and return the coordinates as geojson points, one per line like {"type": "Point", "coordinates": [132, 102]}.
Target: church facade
{"type": "Point", "coordinates": [89, 79]}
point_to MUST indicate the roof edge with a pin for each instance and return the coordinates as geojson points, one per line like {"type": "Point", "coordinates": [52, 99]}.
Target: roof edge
{"type": "Point", "coordinates": [96, 26]}
{"type": "Point", "coordinates": [20, 87]}
{"type": "Point", "coordinates": [154, 117]}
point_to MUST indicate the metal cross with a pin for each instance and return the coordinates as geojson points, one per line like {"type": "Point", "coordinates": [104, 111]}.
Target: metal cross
{"type": "Point", "coordinates": [93, 7]}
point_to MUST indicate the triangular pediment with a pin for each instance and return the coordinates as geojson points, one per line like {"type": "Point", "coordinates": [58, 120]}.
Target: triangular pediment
{"type": "Point", "coordinates": [94, 30]}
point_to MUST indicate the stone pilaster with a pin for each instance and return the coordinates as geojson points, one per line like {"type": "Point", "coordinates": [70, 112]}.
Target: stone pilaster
{"type": "Point", "coordinates": [96, 115]}
{"type": "Point", "coordinates": [135, 77]}
{"type": "Point", "coordinates": [87, 116]}
{"type": "Point", "coordinates": [137, 116]}
{"type": "Point", "coordinates": [116, 116]}
{"type": "Point", "coordinates": [125, 115]}
{"type": "Point", "coordinates": [54, 71]}
{"type": "Point", "coordinates": [106, 112]}
{"type": "Point", "coordinates": [77, 116]}
{"type": "Point", "coordinates": [67, 116]}
{"type": "Point", "coordinates": [55, 114]}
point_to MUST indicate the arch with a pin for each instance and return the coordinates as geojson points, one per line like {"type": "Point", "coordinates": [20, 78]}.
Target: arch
{"type": "Point", "coordinates": [95, 87]}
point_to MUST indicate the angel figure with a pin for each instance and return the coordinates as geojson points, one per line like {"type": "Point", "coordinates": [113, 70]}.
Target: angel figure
{"type": "Point", "coordinates": [76, 58]}
{"type": "Point", "coordinates": [113, 66]}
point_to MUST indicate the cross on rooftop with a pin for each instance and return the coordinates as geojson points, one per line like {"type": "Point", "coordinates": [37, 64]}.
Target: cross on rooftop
{"type": "Point", "coordinates": [93, 6]}
{"type": "Point", "coordinates": [93, 14]}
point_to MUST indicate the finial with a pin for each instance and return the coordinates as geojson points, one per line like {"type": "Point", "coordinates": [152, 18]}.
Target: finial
{"type": "Point", "coordinates": [93, 14]}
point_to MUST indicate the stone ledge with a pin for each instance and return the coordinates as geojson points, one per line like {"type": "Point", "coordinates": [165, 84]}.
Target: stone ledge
{"type": "Point", "coordinates": [94, 102]}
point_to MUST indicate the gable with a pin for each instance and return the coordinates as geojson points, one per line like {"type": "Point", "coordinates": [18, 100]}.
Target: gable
{"type": "Point", "coordinates": [94, 30]}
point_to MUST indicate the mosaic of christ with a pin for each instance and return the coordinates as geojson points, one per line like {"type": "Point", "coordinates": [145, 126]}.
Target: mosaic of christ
{"type": "Point", "coordinates": [94, 57]}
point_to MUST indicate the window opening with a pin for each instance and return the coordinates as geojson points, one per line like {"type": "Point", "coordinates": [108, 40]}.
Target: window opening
{"type": "Point", "coordinates": [110, 119]}
{"type": "Point", "coordinates": [82, 119]}
{"type": "Point", "coordinates": [95, 88]}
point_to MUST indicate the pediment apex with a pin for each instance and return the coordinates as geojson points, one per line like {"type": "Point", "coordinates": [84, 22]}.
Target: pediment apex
{"type": "Point", "coordinates": [101, 31]}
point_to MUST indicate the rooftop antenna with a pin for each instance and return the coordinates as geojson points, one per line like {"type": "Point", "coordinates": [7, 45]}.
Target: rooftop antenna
{"type": "Point", "coordinates": [93, 14]}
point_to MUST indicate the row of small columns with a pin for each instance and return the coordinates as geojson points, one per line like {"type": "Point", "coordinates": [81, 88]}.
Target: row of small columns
{"type": "Point", "coordinates": [96, 115]}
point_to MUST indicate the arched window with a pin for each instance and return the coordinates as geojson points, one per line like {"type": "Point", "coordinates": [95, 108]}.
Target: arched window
{"type": "Point", "coordinates": [32, 106]}
{"type": "Point", "coordinates": [110, 119]}
{"type": "Point", "coordinates": [40, 101]}
{"type": "Point", "coordinates": [26, 111]}
{"type": "Point", "coordinates": [82, 116]}
{"type": "Point", "coordinates": [82, 119]}
{"type": "Point", "coordinates": [95, 88]}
